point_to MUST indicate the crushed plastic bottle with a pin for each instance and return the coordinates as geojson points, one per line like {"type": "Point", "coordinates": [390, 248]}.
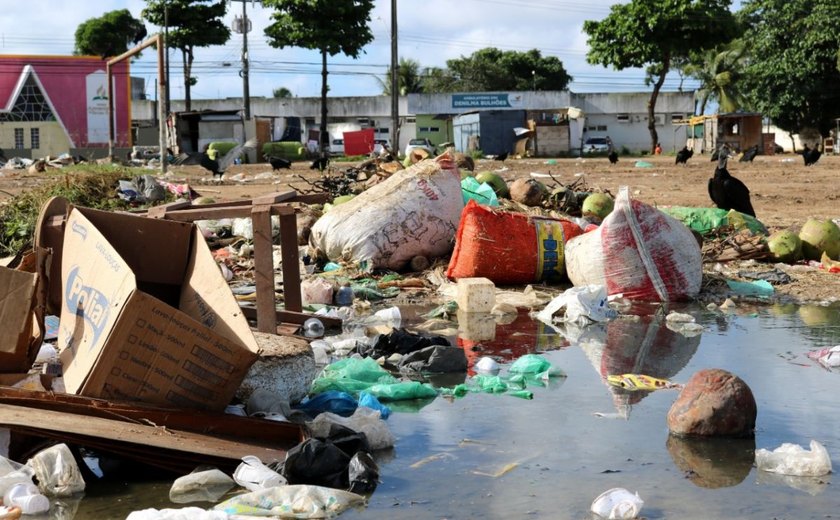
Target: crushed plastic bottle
{"type": "Point", "coordinates": [344, 296]}
{"type": "Point", "coordinates": [313, 328]}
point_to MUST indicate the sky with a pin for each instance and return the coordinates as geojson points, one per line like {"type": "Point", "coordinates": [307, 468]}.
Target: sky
{"type": "Point", "coordinates": [429, 32]}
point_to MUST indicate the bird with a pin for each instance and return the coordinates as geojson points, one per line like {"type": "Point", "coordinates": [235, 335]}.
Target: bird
{"type": "Point", "coordinates": [218, 166]}
{"type": "Point", "coordinates": [320, 164]}
{"type": "Point", "coordinates": [721, 155]}
{"type": "Point", "coordinates": [749, 154]}
{"type": "Point", "coordinates": [811, 156]}
{"type": "Point", "coordinates": [613, 157]}
{"type": "Point", "coordinates": [501, 157]}
{"type": "Point", "coordinates": [728, 192]}
{"type": "Point", "coordinates": [684, 155]}
{"type": "Point", "coordinates": [278, 162]}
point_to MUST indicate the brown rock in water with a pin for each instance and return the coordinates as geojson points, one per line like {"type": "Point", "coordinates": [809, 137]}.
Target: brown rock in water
{"type": "Point", "coordinates": [714, 403]}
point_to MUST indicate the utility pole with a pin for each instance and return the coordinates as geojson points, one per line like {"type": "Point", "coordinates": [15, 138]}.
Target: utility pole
{"type": "Point", "coordinates": [395, 84]}
{"type": "Point", "coordinates": [243, 25]}
{"type": "Point", "coordinates": [167, 105]}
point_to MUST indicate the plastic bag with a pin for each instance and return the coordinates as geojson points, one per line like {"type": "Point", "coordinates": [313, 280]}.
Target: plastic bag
{"type": "Point", "coordinates": [294, 501]}
{"type": "Point", "coordinates": [793, 459]}
{"type": "Point", "coordinates": [187, 513]}
{"type": "Point", "coordinates": [705, 220]}
{"type": "Point", "coordinates": [413, 212]}
{"type": "Point", "coordinates": [253, 475]}
{"type": "Point", "coordinates": [481, 192]}
{"type": "Point", "coordinates": [364, 420]}
{"type": "Point", "coordinates": [57, 472]}
{"type": "Point", "coordinates": [402, 391]}
{"type": "Point", "coordinates": [583, 304]}
{"type": "Point", "coordinates": [617, 503]}
{"type": "Point", "coordinates": [638, 251]}
{"type": "Point", "coordinates": [200, 486]}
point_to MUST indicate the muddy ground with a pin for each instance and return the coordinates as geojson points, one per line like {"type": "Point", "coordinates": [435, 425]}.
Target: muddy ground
{"type": "Point", "coordinates": [785, 193]}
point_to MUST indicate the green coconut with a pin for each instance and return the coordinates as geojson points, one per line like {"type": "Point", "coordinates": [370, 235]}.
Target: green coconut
{"type": "Point", "coordinates": [785, 246]}
{"type": "Point", "coordinates": [598, 205]}
{"type": "Point", "coordinates": [496, 182]}
{"type": "Point", "coordinates": [818, 236]}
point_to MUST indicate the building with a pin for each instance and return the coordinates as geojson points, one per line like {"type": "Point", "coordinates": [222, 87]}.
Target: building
{"type": "Point", "coordinates": [51, 105]}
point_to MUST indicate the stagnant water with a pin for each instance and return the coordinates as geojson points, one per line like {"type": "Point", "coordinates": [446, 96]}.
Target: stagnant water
{"type": "Point", "coordinates": [497, 456]}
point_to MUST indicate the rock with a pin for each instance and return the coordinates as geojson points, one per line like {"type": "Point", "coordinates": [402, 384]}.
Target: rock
{"type": "Point", "coordinates": [286, 368]}
{"type": "Point", "coordinates": [714, 403]}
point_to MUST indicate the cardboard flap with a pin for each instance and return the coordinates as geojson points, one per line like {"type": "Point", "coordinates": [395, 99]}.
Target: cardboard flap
{"type": "Point", "coordinates": [155, 250]}
{"type": "Point", "coordinates": [206, 297]}
{"type": "Point", "coordinates": [17, 298]}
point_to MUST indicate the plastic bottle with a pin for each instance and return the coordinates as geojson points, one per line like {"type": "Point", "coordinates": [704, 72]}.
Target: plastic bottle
{"type": "Point", "coordinates": [344, 296]}
{"type": "Point", "coordinates": [27, 497]}
{"type": "Point", "coordinates": [313, 328]}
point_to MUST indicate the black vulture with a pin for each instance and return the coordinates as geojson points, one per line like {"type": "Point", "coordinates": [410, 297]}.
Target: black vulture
{"type": "Point", "coordinates": [320, 164]}
{"type": "Point", "coordinates": [218, 166]}
{"type": "Point", "coordinates": [613, 157]}
{"type": "Point", "coordinates": [728, 192]}
{"type": "Point", "coordinates": [278, 162]}
{"type": "Point", "coordinates": [501, 157]}
{"type": "Point", "coordinates": [749, 154]}
{"type": "Point", "coordinates": [811, 156]}
{"type": "Point", "coordinates": [684, 155]}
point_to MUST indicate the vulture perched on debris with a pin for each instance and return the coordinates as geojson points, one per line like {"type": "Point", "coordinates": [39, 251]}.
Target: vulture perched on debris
{"type": "Point", "coordinates": [728, 192]}
{"type": "Point", "coordinates": [218, 166]}
{"type": "Point", "coordinates": [684, 155]}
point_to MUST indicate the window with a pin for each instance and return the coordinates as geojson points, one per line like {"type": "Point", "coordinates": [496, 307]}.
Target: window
{"type": "Point", "coordinates": [34, 138]}
{"type": "Point", "coordinates": [602, 128]}
{"type": "Point", "coordinates": [428, 129]}
{"type": "Point", "coordinates": [19, 138]}
{"type": "Point", "coordinates": [623, 118]}
{"type": "Point", "coordinates": [677, 117]}
{"type": "Point", "coordinates": [30, 105]}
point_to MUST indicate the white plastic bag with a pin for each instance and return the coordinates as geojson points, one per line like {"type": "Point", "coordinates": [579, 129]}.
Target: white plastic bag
{"type": "Point", "coordinates": [414, 212]}
{"type": "Point", "coordinates": [296, 501]}
{"type": "Point", "coordinates": [200, 486]}
{"type": "Point", "coordinates": [57, 472]}
{"type": "Point", "coordinates": [187, 513]}
{"type": "Point", "coordinates": [637, 251]}
{"type": "Point", "coordinates": [253, 475]}
{"type": "Point", "coordinates": [583, 304]}
{"type": "Point", "coordinates": [793, 459]}
{"type": "Point", "coordinates": [363, 420]}
{"type": "Point", "coordinates": [617, 503]}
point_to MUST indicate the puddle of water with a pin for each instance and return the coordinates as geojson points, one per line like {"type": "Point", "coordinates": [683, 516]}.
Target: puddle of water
{"type": "Point", "coordinates": [496, 456]}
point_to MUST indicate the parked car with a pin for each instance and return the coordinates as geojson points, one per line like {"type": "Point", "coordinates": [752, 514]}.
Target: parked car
{"type": "Point", "coordinates": [337, 147]}
{"type": "Point", "coordinates": [424, 144]}
{"type": "Point", "coordinates": [596, 145]}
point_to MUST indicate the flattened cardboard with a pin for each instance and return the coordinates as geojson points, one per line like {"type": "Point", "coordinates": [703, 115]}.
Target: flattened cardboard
{"type": "Point", "coordinates": [17, 299]}
{"type": "Point", "coordinates": [121, 335]}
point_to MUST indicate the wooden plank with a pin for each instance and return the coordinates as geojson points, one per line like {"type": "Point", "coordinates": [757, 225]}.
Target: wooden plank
{"type": "Point", "coordinates": [296, 318]}
{"type": "Point", "coordinates": [274, 198]}
{"type": "Point", "coordinates": [264, 269]}
{"type": "Point", "coordinates": [292, 299]}
{"type": "Point", "coordinates": [137, 434]}
{"type": "Point", "coordinates": [163, 210]}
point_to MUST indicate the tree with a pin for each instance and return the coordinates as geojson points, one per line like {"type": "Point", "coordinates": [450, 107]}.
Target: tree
{"type": "Point", "coordinates": [492, 69]}
{"type": "Point", "coordinates": [191, 24]}
{"type": "Point", "coordinates": [109, 35]}
{"type": "Point", "coordinates": [409, 78]}
{"type": "Point", "coordinates": [330, 26]}
{"type": "Point", "coordinates": [720, 72]}
{"type": "Point", "coordinates": [652, 34]}
{"type": "Point", "coordinates": [794, 74]}
{"type": "Point", "coordinates": [282, 93]}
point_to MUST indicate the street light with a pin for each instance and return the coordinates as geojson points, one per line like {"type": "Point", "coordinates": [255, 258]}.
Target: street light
{"type": "Point", "coordinates": [534, 79]}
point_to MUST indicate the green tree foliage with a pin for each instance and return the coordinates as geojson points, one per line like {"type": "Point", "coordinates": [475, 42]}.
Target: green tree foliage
{"type": "Point", "coordinates": [191, 24]}
{"type": "Point", "coordinates": [329, 26]}
{"type": "Point", "coordinates": [654, 34]}
{"type": "Point", "coordinates": [720, 73]}
{"type": "Point", "coordinates": [109, 35]}
{"type": "Point", "coordinates": [492, 69]}
{"type": "Point", "coordinates": [409, 78]}
{"type": "Point", "coordinates": [793, 76]}
{"type": "Point", "coordinates": [282, 93]}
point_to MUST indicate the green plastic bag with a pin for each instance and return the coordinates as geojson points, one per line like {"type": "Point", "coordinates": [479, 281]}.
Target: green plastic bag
{"type": "Point", "coordinates": [705, 220]}
{"type": "Point", "coordinates": [402, 391]}
{"type": "Point", "coordinates": [351, 375]}
{"type": "Point", "coordinates": [530, 364]}
{"type": "Point", "coordinates": [482, 192]}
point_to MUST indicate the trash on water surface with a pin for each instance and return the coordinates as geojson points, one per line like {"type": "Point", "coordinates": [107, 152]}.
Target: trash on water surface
{"type": "Point", "coordinates": [617, 503]}
{"type": "Point", "coordinates": [793, 459]}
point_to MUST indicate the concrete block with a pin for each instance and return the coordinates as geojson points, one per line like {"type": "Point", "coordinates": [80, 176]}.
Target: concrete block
{"type": "Point", "coordinates": [475, 295]}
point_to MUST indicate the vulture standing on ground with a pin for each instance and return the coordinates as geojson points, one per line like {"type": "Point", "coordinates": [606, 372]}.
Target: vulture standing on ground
{"type": "Point", "coordinates": [811, 156]}
{"type": "Point", "coordinates": [728, 192]}
{"type": "Point", "coordinates": [278, 162]}
{"type": "Point", "coordinates": [684, 155]}
{"type": "Point", "coordinates": [320, 164]}
{"type": "Point", "coordinates": [613, 157]}
{"type": "Point", "coordinates": [218, 166]}
{"type": "Point", "coordinates": [749, 154]}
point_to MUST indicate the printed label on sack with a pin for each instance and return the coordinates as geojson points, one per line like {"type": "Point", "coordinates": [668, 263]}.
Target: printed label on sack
{"type": "Point", "coordinates": [549, 249]}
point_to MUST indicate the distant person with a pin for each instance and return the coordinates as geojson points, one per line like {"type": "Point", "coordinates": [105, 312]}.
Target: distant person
{"type": "Point", "coordinates": [609, 144]}
{"type": "Point", "coordinates": [658, 149]}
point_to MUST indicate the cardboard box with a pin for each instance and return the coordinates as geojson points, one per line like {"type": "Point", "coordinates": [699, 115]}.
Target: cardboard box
{"type": "Point", "coordinates": [18, 328]}
{"type": "Point", "coordinates": [146, 314]}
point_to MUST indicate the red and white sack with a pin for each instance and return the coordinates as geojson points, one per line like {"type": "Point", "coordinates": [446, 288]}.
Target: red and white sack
{"type": "Point", "coordinates": [413, 212]}
{"type": "Point", "coordinates": [638, 251]}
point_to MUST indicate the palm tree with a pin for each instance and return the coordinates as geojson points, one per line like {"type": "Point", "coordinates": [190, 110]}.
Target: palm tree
{"type": "Point", "coordinates": [719, 72]}
{"type": "Point", "coordinates": [408, 78]}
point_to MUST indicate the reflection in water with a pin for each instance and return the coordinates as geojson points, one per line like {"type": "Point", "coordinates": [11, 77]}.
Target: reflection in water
{"type": "Point", "coordinates": [633, 345]}
{"type": "Point", "coordinates": [712, 462]}
{"type": "Point", "coordinates": [811, 485]}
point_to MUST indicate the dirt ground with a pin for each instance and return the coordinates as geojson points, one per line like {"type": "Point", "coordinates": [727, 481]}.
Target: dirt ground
{"type": "Point", "coordinates": [784, 193]}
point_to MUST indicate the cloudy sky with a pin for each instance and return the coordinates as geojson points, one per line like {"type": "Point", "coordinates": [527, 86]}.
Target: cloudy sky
{"type": "Point", "coordinates": [430, 32]}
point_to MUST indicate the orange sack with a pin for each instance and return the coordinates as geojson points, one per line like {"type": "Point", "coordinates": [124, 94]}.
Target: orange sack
{"type": "Point", "coordinates": [508, 247]}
